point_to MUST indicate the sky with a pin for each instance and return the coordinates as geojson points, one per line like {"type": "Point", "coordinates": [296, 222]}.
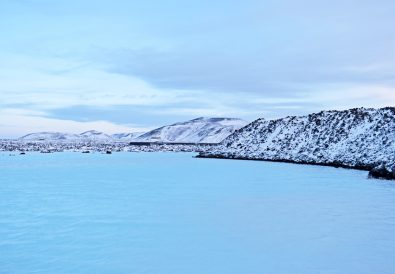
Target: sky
{"type": "Point", "coordinates": [126, 66]}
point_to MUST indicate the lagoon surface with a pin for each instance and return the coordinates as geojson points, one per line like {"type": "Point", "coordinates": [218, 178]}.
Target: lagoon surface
{"type": "Point", "coordinates": [170, 213]}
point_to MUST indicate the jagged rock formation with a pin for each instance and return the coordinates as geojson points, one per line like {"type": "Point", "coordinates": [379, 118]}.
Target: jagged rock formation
{"type": "Point", "coordinates": [200, 130]}
{"type": "Point", "coordinates": [357, 138]}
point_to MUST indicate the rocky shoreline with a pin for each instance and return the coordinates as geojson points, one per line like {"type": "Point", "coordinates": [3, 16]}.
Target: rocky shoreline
{"type": "Point", "coordinates": [362, 139]}
{"type": "Point", "coordinates": [103, 147]}
{"type": "Point", "coordinates": [203, 151]}
{"type": "Point", "coordinates": [376, 173]}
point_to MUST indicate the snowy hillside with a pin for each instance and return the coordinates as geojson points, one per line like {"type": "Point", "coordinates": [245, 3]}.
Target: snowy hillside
{"type": "Point", "coordinates": [91, 135]}
{"type": "Point", "coordinates": [94, 135]}
{"type": "Point", "coordinates": [357, 138]}
{"type": "Point", "coordinates": [200, 130]}
{"type": "Point", "coordinates": [50, 136]}
{"type": "Point", "coordinates": [126, 136]}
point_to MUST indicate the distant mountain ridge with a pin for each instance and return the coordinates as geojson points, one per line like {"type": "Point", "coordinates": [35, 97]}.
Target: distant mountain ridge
{"type": "Point", "coordinates": [60, 136]}
{"type": "Point", "coordinates": [44, 136]}
{"type": "Point", "coordinates": [356, 138]}
{"type": "Point", "coordinates": [199, 130]}
{"type": "Point", "coordinates": [126, 136]}
{"type": "Point", "coordinates": [95, 135]}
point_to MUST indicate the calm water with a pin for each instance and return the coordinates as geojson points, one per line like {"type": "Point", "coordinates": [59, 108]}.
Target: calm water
{"type": "Point", "coordinates": [166, 213]}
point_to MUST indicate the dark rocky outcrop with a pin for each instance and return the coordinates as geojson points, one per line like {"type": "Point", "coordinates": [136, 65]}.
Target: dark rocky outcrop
{"type": "Point", "coordinates": [382, 172]}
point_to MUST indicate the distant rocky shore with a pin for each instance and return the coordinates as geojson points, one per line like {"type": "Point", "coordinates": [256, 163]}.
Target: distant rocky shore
{"type": "Point", "coordinates": [17, 146]}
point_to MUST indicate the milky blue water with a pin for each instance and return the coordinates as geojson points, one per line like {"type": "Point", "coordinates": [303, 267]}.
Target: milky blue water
{"type": "Point", "coordinates": [169, 213]}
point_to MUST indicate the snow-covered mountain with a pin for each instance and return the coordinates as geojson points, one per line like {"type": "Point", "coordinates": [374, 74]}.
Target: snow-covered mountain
{"type": "Point", "coordinates": [91, 135]}
{"type": "Point", "coordinates": [50, 136]}
{"type": "Point", "coordinates": [94, 135]}
{"type": "Point", "coordinates": [356, 138]}
{"type": "Point", "coordinates": [126, 136]}
{"type": "Point", "coordinates": [200, 130]}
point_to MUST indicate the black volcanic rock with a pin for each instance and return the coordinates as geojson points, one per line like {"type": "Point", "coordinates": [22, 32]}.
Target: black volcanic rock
{"type": "Point", "coordinates": [382, 172]}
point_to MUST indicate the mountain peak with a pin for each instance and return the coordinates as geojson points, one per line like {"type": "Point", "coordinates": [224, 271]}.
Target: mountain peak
{"type": "Point", "coordinates": [95, 135]}
{"type": "Point", "coordinates": [199, 130]}
{"type": "Point", "coordinates": [94, 132]}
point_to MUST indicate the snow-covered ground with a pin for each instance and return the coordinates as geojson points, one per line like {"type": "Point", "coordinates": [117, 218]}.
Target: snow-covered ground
{"type": "Point", "coordinates": [356, 138]}
{"type": "Point", "coordinates": [99, 145]}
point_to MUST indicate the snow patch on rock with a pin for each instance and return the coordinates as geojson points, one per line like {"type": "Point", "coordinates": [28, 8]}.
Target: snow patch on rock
{"type": "Point", "coordinates": [357, 138]}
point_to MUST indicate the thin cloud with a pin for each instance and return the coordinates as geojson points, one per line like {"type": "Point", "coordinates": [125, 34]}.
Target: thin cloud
{"type": "Point", "coordinates": [130, 63]}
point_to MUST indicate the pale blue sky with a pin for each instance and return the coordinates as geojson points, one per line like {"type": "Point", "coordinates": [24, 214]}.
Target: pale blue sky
{"type": "Point", "coordinates": [131, 65]}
